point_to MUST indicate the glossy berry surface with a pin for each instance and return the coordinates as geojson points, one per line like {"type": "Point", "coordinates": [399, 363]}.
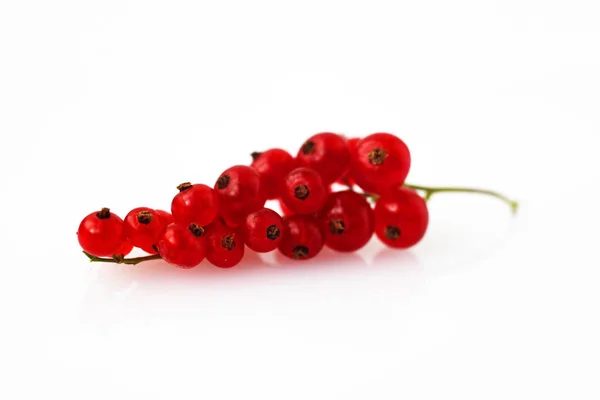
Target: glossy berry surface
{"type": "Point", "coordinates": [272, 166]}
{"type": "Point", "coordinates": [379, 162]}
{"type": "Point", "coordinates": [101, 233]}
{"type": "Point", "coordinates": [401, 218]}
{"type": "Point", "coordinates": [225, 246]}
{"type": "Point", "coordinates": [125, 248]}
{"type": "Point", "coordinates": [240, 192]}
{"type": "Point", "coordinates": [262, 230]}
{"type": "Point", "coordinates": [195, 204]}
{"type": "Point", "coordinates": [302, 237]}
{"type": "Point", "coordinates": [166, 216]}
{"type": "Point", "coordinates": [327, 153]}
{"type": "Point", "coordinates": [143, 228]}
{"type": "Point", "coordinates": [182, 246]}
{"type": "Point", "coordinates": [347, 220]}
{"type": "Point", "coordinates": [348, 179]}
{"type": "Point", "coordinates": [304, 191]}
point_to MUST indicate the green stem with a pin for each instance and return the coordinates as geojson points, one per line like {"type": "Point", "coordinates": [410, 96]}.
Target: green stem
{"type": "Point", "coordinates": [429, 191]}
{"type": "Point", "coordinates": [119, 259]}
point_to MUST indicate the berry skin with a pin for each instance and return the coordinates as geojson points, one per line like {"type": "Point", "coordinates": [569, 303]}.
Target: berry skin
{"type": "Point", "coordinates": [240, 193]}
{"type": "Point", "coordinates": [263, 230]}
{"type": "Point", "coordinates": [347, 220]}
{"type": "Point", "coordinates": [184, 247]}
{"type": "Point", "coordinates": [125, 248]}
{"type": "Point", "coordinates": [379, 162]}
{"type": "Point", "coordinates": [225, 246]}
{"type": "Point", "coordinates": [327, 153]}
{"type": "Point", "coordinates": [302, 237]}
{"type": "Point", "coordinates": [285, 211]}
{"type": "Point", "coordinates": [195, 204]}
{"type": "Point", "coordinates": [272, 166]}
{"type": "Point", "coordinates": [166, 217]}
{"type": "Point", "coordinates": [348, 179]}
{"type": "Point", "coordinates": [401, 218]}
{"type": "Point", "coordinates": [304, 191]}
{"type": "Point", "coordinates": [101, 233]}
{"type": "Point", "coordinates": [143, 228]}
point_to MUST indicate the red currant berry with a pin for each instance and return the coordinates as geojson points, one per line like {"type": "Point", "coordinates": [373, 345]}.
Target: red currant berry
{"type": "Point", "coordinates": [285, 211]}
{"type": "Point", "coordinates": [166, 217]}
{"type": "Point", "coordinates": [240, 193]}
{"type": "Point", "coordinates": [401, 218]}
{"type": "Point", "coordinates": [347, 220]}
{"type": "Point", "coordinates": [195, 204]}
{"type": "Point", "coordinates": [302, 237]}
{"type": "Point", "coordinates": [304, 191]}
{"type": "Point", "coordinates": [379, 162]}
{"type": "Point", "coordinates": [225, 247]}
{"type": "Point", "coordinates": [125, 248]}
{"type": "Point", "coordinates": [327, 153]}
{"type": "Point", "coordinates": [101, 233]}
{"type": "Point", "coordinates": [273, 165]}
{"type": "Point", "coordinates": [182, 246]}
{"type": "Point", "coordinates": [262, 230]}
{"type": "Point", "coordinates": [143, 227]}
{"type": "Point", "coordinates": [348, 179]}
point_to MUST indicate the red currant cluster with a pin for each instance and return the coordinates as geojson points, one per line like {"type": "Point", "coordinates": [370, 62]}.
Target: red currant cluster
{"type": "Point", "coordinates": [218, 223]}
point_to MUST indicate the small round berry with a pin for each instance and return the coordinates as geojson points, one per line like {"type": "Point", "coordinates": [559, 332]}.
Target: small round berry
{"type": "Point", "coordinates": [347, 220]}
{"type": "Point", "coordinates": [379, 162]}
{"type": "Point", "coordinates": [125, 249]}
{"type": "Point", "coordinates": [182, 246]}
{"type": "Point", "coordinates": [302, 237]}
{"type": "Point", "coordinates": [101, 233]}
{"type": "Point", "coordinates": [166, 217]}
{"type": "Point", "coordinates": [272, 166]}
{"type": "Point", "coordinates": [240, 193]}
{"type": "Point", "coordinates": [304, 191]}
{"type": "Point", "coordinates": [262, 230]}
{"type": "Point", "coordinates": [143, 228]}
{"type": "Point", "coordinates": [401, 218]}
{"type": "Point", "coordinates": [225, 247]}
{"type": "Point", "coordinates": [195, 204]}
{"type": "Point", "coordinates": [285, 211]}
{"type": "Point", "coordinates": [348, 179]}
{"type": "Point", "coordinates": [327, 153]}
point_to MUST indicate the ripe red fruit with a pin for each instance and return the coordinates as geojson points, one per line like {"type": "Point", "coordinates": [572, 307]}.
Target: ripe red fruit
{"type": "Point", "coordinates": [125, 249]}
{"type": "Point", "coordinates": [272, 166]}
{"type": "Point", "coordinates": [240, 193]}
{"type": "Point", "coordinates": [262, 230]}
{"type": "Point", "coordinates": [143, 227]}
{"type": "Point", "coordinates": [225, 246]}
{"type": "Point", "coordinates": [348, 179]}
{"type": "Point", "coordinates": [195, 204]}
{"type": "Point", "coordinates": [285, 211]}
{"type": "Point", "coordinates": [101, 233]}
{"type": "Point", "coordinates": [182, 246]}
{"type": "Point", "coordinates": [327, 153]}
{"type": "Point", "coordinates": [166, 217]}
{"type": "Point", "coordinates": [401, 218]}
{"type": "Point", "coordinates": [347, 220]}
{"type": "Point", "coordinates": [379, 162]}
{"type": "Point", "coordinates": [302, 237]}
{"type": "Point", "coordinates": [304, 191]}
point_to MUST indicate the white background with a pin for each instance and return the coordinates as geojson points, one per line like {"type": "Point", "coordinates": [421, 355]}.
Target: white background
{"type": "Point", "coordinates": [115, 103]}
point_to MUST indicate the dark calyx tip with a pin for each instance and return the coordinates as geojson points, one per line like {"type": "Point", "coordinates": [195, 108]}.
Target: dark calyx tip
{"type": "Point", "coordinates": [301, 192]}
{"type": "Point", "coordinates": [184, 186]}
{"type": "Point", "coordinates": [273, 232]}
{"type": "Point", "coordinates": [300, 252]}
{"type": "Point", "coordinates": [144, 217]}
{"type": "Point", "coordinates": [255, 155]}
{"type": "Point", "coordinates": [228, 242]}
{"type": "Point", "coordinates": [392, 232]}
{"type": "Point", "coordinates": [104, 213]}
{"type": "Point", "coordinates": [223, 181]}
{"type": "Point", "coordinates": [336, 226]}
{"type": "Point", "coordinates": [377, 156]}
{"type": "Point", "coordinates": [197, 230]}
{"type": "Point", "coordinates": [308, 147]}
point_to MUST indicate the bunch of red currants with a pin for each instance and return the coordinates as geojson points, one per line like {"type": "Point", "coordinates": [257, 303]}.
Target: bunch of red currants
{"type": "Point", "coordinates": [217, 223]}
